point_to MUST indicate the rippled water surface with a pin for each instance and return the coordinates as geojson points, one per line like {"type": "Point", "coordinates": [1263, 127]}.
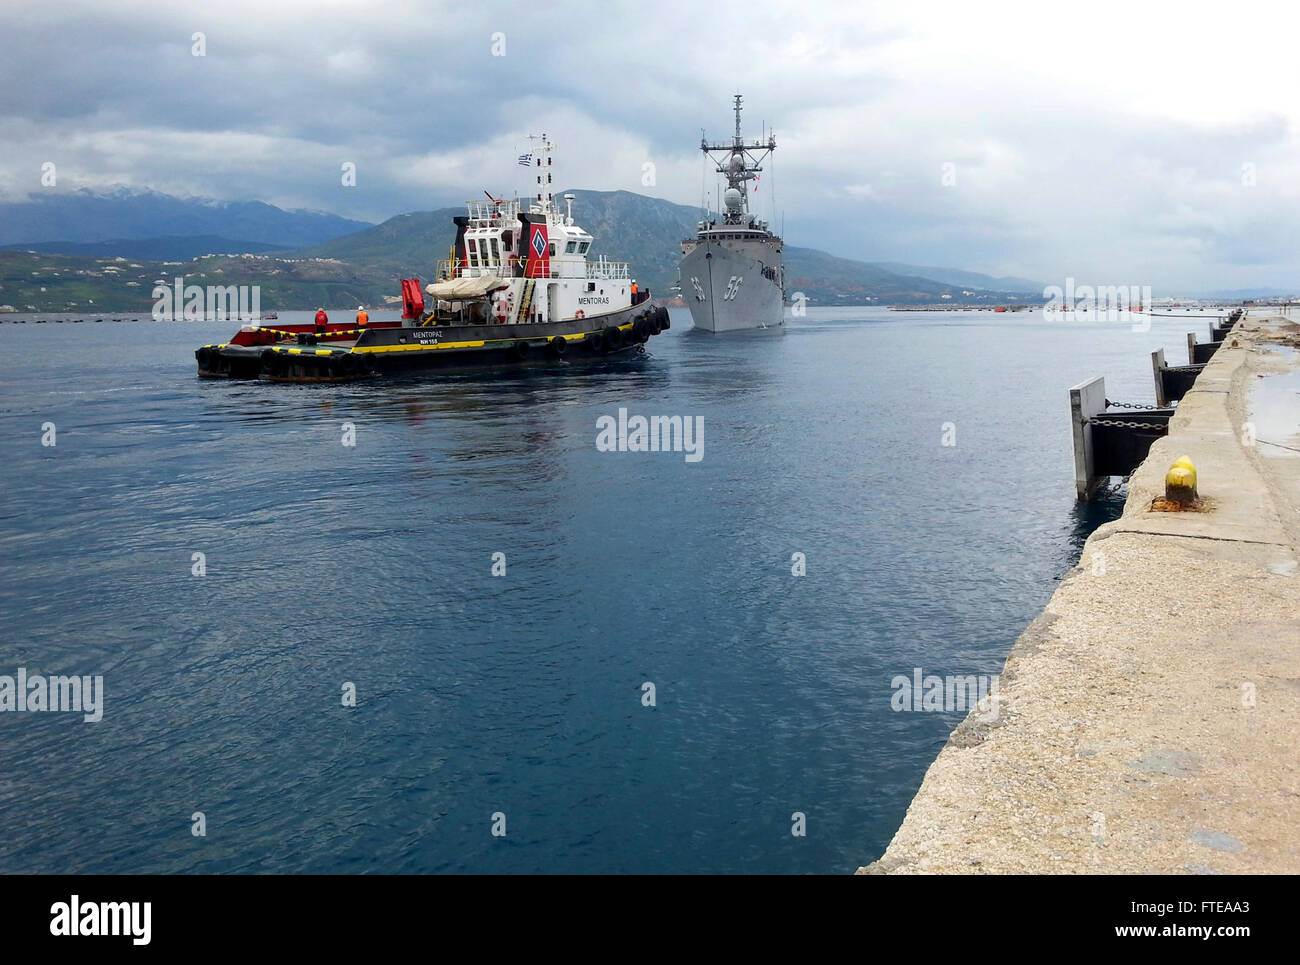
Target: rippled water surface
{"type": "Point", "coordinates": [522, 694]}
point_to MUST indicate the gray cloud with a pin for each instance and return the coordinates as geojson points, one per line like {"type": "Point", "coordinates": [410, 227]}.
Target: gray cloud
{"type": "Point", "coordinates": [1111, 147]}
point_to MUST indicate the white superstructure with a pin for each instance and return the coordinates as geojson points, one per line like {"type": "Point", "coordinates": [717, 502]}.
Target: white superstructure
{"type": "Point", "coordinates": [540, 255]}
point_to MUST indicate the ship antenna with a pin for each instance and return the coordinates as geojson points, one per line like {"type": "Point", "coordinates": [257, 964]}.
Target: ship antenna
{"type": "Point", "coordinates": [704, 178]}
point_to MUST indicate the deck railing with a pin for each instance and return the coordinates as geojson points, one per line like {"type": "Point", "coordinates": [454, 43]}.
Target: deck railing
{"type": "Point", "coordinates": [477, 270]}
{"type": "Point", "coordinates": [602, 270]}
{"type": "Point", "coordinates": [608, 269]}
{"type": "Point", "coordinates": [486, 210]}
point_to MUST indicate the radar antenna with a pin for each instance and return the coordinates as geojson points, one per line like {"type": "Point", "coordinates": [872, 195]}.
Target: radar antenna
{"type": "Point", "coordinates": [739, 163]}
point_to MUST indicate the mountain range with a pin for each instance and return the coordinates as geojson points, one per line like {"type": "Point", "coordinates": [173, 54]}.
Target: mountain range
{"type": "Point", "coordinates": [82, 216]}
{"type": "Point", "coordinates": [67, 249]}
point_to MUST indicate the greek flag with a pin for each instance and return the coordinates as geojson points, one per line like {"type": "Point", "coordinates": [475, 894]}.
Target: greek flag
{"type": "Point", "coordinates": [525, 160]}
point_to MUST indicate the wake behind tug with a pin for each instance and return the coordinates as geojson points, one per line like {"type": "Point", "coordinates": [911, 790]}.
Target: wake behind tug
{"type": "Point", "coordinates": [517, 289]}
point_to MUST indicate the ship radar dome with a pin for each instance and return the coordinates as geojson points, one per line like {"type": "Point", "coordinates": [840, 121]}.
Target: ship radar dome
{"type": "Point", "coordinates": [731, 198]}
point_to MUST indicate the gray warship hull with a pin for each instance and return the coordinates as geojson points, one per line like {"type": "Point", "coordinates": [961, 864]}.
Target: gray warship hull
{"type": "Point", "coordinates": [730, 289]}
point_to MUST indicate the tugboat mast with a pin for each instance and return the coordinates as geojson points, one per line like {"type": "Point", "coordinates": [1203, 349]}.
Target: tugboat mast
{"type": "Point", "coordinates": [544, 158]}
{"type": "Point", "coordinates": [739, 163]}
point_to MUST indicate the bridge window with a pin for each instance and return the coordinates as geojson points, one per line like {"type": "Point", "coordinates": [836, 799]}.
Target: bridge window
{"type": "Point", "coordinates": [571, 247]}
{"type": "Point", "coordinates": [582, 249]}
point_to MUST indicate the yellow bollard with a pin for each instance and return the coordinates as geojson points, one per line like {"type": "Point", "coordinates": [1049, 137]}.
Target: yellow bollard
{"type": "Point", "coordinates": [1180, 482]}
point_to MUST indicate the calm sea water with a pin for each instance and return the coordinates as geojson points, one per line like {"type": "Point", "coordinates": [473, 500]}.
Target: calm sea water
{"type": "Point", "coordinates": [522, 694]}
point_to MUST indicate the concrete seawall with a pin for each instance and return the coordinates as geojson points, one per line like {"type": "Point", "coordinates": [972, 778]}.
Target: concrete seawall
{"type": "Point", "coordinates": [1147, 721]}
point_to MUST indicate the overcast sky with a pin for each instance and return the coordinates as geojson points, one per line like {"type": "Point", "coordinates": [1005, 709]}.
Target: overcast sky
{"type": "Point", "coordinates": [1118, 143]}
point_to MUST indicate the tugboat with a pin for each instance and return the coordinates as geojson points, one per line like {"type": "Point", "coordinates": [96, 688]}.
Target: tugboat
{"type": "Point", "coordinates": [732, 272]}
{"type": "Point", "coordinates": [517, 289]}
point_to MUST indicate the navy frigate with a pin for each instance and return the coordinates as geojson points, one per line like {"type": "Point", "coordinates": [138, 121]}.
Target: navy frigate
{"type": "Point", "coordinates": [731, 274]}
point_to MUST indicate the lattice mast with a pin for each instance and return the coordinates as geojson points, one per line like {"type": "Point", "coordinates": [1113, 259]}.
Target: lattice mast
{"type": "Point", "coordinates": [739, 163]}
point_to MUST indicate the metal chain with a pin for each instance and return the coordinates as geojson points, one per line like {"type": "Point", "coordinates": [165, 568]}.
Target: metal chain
{"type": "Point", "coordinates": [1119, 424]}
{"type": "Point", "coordinates": [1129, 405]}
{"type": "Point", "coordinates": [1112, 490]}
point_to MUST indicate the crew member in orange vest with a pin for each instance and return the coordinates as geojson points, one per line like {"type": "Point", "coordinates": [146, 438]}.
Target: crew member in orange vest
{"type": "Point", "coordinates": [633, 293]}
{"type": "Point", "coordinates": [362, 317]}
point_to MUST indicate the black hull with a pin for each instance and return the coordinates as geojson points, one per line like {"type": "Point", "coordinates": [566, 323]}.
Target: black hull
{"type": "Point", "coordinates": [379, 352]}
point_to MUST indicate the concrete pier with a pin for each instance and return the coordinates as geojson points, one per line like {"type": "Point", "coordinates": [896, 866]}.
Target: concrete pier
{"type": "Point", "coordinates": [1149, 720]}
